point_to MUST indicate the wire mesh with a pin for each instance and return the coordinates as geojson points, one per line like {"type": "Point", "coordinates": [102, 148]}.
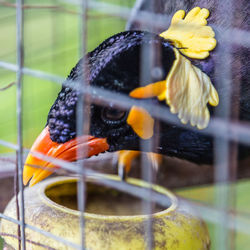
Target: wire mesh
{"type": "Point", "coordinates": [224, 213]}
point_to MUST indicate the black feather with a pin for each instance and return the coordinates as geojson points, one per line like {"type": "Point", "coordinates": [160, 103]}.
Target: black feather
{"type": "Point", "coordinates": [115, 65]}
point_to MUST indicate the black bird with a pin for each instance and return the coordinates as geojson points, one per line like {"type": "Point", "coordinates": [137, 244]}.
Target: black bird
{"type": "Point", "coordinates": [115, 65]}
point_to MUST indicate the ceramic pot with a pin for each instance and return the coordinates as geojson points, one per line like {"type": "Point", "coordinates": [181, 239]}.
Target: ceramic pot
{"type": "Point", "coordinates": [113, 219]}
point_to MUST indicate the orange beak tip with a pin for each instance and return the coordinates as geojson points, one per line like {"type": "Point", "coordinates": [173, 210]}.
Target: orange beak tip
{"type": "Point", "coordinates": [39, 176]}
{"type": "Point", "coordinates": [33, 182]}
{"type": "Point", "coordinates": [77, 148]}
{"type": "Point", "coordinates": [28, 172]}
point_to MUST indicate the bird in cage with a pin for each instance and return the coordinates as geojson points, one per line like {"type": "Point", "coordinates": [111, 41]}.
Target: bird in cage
{"type": "Point", "coordinates": [178, 77]}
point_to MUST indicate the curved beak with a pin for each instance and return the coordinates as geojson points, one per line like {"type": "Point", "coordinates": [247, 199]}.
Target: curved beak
{"type": "Point", "coordinates": [36, 169]}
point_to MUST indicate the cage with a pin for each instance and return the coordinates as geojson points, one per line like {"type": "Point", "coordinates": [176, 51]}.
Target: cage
{"type": "Point", "coordinates": [42, 41]}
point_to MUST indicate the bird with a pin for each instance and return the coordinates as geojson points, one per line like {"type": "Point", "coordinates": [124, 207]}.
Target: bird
{"type": "Point", "coordinates": [185, 85]}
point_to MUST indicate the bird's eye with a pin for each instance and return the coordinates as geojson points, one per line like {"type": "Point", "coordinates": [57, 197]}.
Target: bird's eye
{"type": "Point", "coordinates": [110, 115]}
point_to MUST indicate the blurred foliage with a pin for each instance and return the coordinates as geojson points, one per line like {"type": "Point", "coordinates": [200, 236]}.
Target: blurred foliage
{"type": "Point", "coordinates": [209, 195]}
{"type": "Point", "coordinates": [1, 243]}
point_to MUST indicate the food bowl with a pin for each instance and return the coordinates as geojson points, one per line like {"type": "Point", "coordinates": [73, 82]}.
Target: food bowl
{"type": "Point", "coordinates": [113, 219]}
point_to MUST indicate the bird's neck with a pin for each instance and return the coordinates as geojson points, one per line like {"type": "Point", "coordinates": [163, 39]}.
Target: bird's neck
{"type": "Point", "coordinates": [184, 144]}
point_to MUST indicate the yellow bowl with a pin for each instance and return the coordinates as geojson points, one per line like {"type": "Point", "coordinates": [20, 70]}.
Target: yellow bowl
{"type": "Point", "coordinates": [113, 219]}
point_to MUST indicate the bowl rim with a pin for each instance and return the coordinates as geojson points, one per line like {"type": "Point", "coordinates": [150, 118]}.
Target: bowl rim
{"type": "Point", "coordinates": [132, 181]}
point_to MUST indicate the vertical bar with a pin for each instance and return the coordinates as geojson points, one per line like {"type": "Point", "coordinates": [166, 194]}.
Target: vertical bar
{"type": "Point", "coordinates": [82, 119]}
{"type": "Point", "coordinates": [222, 147]}
{"type": "Point", "coordinates": [19, 44]}
{"type": "Point", "coordinates": [148, 59]}
{"type": "Point", "coordinates": [17, 202]}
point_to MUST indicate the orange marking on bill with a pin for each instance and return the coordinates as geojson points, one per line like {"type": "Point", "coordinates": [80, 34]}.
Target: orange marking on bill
{"type": "Point", "coordinates": [141, 122]}
{"type": "Point", "coordinates": [151, 90]}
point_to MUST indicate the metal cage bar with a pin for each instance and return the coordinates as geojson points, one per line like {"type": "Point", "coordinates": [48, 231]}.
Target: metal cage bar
{"type": "Point", "coordinates": [20, 59]}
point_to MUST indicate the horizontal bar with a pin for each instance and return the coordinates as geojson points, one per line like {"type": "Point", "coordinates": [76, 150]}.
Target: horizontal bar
{"type": "Point", "coordinates": [239, 222]}
{"type": "Point", "coordinates": [3, 216]}
{"type": "Point", "coordinates": [32, 72]}
{"type": "Point", "coordinates": [237, 36]}
{"type": "Point", "coordinates": [8, 144]}
{"type": "Point", "coordinates": [38, 230]}
{"type": "Point", "coordinates": [217, 127]}
{"type": "Point", "coordinates": [160, 199]}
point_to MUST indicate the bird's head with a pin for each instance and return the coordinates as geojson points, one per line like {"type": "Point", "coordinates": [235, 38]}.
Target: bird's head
{"type": "Point", "coordinates": [138, 65]}
{"type": "Point", "coordinates": [115, 65]}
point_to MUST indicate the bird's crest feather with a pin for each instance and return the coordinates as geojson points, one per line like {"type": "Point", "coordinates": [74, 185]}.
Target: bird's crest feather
{"type": "Point", "coordinates": [187, 89]}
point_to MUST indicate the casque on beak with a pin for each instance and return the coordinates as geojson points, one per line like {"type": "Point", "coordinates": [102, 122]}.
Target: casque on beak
{"type": "Point", "coordinates": [36, 169]}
